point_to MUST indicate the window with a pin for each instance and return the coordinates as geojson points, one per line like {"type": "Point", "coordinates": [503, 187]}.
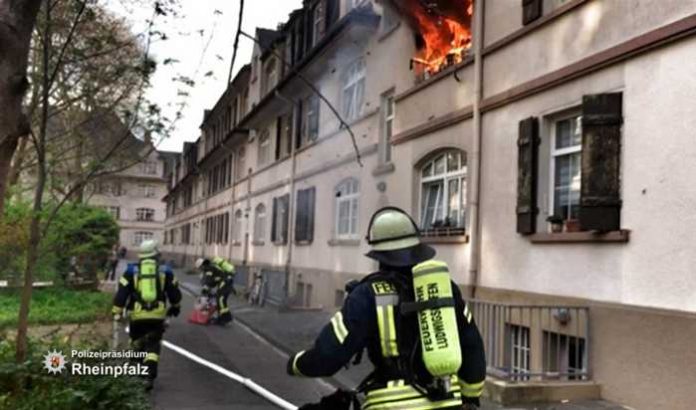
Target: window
{"type": "Point", "coordinates": [443, 193]}
{"type": "Point", "coordinates": [115, 211]}
{"type": "Point", "coordinates": [519, 351]}
{"type": "Point", "coordinates": [279, 228]}
{"type": "Point", "coordinates": [319, 22]}
{"type": "Point", "coordinates": [238, 227]}
{"type": "Point", "coordinates": [146, 191]}
{"type": "Point", "coordinates": [283, 136]}
{"type": "Point", "coordinates": [566, 147]}
{"type": "Point", "coordinates": [259, 223]}
{"type": "Point", "coordinates": [312, 122]}
{"type": "Point", "coordinates": [354, 90]}
{"type": "Point", "coordinates": [240, 164]}
{"type": "Point", "coordinates": [304, 219]}
{"type": "Point", "coordinates": [564, 355]}
{"type": "Point", "coordinates": [347, 203]}
{"type": "Point", "coordinates": [573, 171]}
{"type": "Point", "coordinates": [140, 237]}
{"type": "Point", "coordinates": [390, 18]}
{"type": "Point", "coordinates": [149, 167]}
{"type": "Point", "coordinates": [387, 129]}
{"type": "Point", "coordinates": [264, 155]}
{"type": "Point", "coordinates": [270, 76]}
{"type": "Point", "coordinates": [145, 214]}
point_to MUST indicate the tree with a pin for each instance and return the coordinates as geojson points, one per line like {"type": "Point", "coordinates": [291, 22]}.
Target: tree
{"type": "Point", "coordinates": [17, 20]}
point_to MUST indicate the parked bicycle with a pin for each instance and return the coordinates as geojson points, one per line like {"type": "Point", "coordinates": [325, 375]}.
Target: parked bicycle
{"type": "Point", "coordinates": [257, 296]}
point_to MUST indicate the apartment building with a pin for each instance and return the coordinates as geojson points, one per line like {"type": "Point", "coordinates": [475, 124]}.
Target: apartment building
{"type": "Point", "coordinates": [544, 146]}
{"type": "Point", "coordinates": [134, 196]}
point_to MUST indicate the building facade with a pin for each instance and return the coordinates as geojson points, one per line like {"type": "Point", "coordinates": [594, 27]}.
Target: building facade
{"type": "Point", "coordinates": [544, 147]}
{"type": "Point", "coordinates": [134, 198]}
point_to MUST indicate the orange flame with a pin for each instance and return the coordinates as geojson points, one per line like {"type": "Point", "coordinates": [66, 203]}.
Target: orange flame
{"type": "Point", "coordinates": [445, 27]}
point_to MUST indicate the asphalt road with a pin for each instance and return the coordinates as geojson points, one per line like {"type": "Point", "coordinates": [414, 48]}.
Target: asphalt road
{"type": "Point", "coordinates": [185, 384]}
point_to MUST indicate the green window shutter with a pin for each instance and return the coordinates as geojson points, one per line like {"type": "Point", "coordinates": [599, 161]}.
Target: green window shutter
{"type": "Point", "coordinates": [600, 192]}
{"type": "Point", "coordinates": [527, 171]}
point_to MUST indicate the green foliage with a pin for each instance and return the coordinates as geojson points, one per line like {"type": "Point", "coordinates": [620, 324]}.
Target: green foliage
{"type": "Point", "coordinates": [77, 230]}
{"type": "Point", "coordinates": [28, 386]}
{"type": "Point", "coordinates": [55, 305]}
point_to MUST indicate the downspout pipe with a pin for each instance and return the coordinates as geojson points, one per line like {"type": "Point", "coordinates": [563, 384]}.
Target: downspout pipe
{"type": "Point", "coordinates": [475, 157]}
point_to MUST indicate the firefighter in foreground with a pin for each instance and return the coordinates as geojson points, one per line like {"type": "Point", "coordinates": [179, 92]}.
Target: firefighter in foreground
{"type": "Point", "coordinates": [218, 274]}
{"type": "Point", "coordinates": [418, 332]}
{"type": "Point", "coordinates": [144, 289]}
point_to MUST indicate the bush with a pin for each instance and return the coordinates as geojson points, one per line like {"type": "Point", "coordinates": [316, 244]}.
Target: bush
{"type": "Point", "coordinates": [77, 230]}
{"type": "Point", "coordinates": [29, 387]}
{"type": "Point", "coordinates": [56, 305]}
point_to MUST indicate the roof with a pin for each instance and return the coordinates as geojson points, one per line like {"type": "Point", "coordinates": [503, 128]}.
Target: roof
{"type": "Point", "coordinates": [266, 37]}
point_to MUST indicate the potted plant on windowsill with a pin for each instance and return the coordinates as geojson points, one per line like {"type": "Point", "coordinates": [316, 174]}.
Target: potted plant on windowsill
{"type": "Point", "coordinates": [556, 223]}
{"type": "Point", "coordinates": [572, 225]}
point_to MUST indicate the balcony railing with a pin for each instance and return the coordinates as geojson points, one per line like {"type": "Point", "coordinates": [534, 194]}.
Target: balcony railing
{"type": "Point", "coordinates": [534, 342]}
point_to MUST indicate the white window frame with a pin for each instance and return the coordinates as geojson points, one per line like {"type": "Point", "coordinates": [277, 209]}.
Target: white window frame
{"type": "Point", "coordinates": [352, 197]}
{"type": "Point", "coordinates": [142, 236]}
{"type": "Point", "coordinates": [145, 215]}
{"type": "Point", "coordinates": [555, 153]}
{"type": "Point", "coordinates": [115, 211]}
{"type": "Point", "coordinates": [354, 75]}
{"type": "Point", "coordinates": [446, 177]}
{"type": "Point", "coordinates": [318, 21]}
{"type": "Point", "coordinates": [260, 217]}
{"type": "Point", "coordinates": [238, 225]}
{"type": "Point", "coordinates": [264, 155]}
{"type": "Point", "coordinates": [520, 344]}
{"type": "Point", "coordinates": [386, 133]}
{"type": "Point", "coordinates": [239, 163]}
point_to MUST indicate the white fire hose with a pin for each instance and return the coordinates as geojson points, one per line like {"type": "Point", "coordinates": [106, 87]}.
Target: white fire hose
{"type": "Point", "coordinates": [246, 382]}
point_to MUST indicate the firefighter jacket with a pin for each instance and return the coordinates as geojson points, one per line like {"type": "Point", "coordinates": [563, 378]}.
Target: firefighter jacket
{"type": "Point", "coordinates": [128, 295]}
{"type": "Point", "coordinates": [371, 319]}
{"type": "Point", "coordinates": [214, 277]}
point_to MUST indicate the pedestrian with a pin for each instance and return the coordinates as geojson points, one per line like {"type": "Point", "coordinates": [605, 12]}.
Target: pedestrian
{"type": "Point", "coordinates": [112, 264]}
{"type": "Point", "coordinates": [144, 290]}
{"type": "Point", "coordinates": [123, 251]}
{"type": "Point", "coordinates": [410, 317]}
{"type": "Point", "coordinates": [218, 274]}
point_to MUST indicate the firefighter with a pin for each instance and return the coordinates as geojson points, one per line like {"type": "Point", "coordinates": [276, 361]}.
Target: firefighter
{"type": "Point", "coordinates": [218, 274]}
{"type": "Point", "coordinates": [144, 290]}
{"type": "Point", "coordinates": [410, 317]}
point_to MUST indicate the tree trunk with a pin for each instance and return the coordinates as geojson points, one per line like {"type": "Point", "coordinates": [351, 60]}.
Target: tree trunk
{"type": "Point", "coordinates": [17, 162]}
{"type": "Point", "coordinates": [35, 229]}
{"type": "Point", "coordinates": [17, 20]}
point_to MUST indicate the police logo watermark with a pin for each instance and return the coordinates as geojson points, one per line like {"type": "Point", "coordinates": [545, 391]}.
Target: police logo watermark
{"type": "Point", "coordinates": [86, 363]}
{"type": "Point", "coordinates": [54, 362]}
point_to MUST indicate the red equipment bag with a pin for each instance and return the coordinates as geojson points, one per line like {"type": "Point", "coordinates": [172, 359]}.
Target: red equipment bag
{"type": "Point", "coordinates": [201, 313]}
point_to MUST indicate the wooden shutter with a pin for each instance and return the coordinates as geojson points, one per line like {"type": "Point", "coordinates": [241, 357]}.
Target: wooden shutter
{"type": "Point", "coordinates": [527, 168]}
{"type": "Point", "coordinates": [600, 197]}
{"type": "Point", "coordinates": [311, 194]}
{"type": "Point", "coordinates": [333, 8]}
{"type": "Point", "coordinates": [531, 10]}
{"type": "Point", "coordinates": [274, 217]}
{"type": "Point", "coordinates": [279, 134]}
{"type": "Point", "coordinates": [285, 200]}
{"type": "Point", "coordinates": [299, 112]}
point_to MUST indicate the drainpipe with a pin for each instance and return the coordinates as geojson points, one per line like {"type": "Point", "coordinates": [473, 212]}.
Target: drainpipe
{"type": "Point", "coordinates": [475, 163]}
{"type": "Point", "coordinates": [291, 208]}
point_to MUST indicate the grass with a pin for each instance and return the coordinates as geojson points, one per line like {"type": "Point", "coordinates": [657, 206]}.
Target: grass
{"type": "Point", "coordinates": [54, 306]}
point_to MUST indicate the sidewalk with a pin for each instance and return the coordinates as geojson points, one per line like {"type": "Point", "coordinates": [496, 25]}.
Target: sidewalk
{"type": "Point", "coordinates": [293, 331]}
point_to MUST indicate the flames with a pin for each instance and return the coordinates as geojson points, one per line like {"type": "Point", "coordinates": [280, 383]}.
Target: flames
{"type": "Point", "coordinates": [444, 32]}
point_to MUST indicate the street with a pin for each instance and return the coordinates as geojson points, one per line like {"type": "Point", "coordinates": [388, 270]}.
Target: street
{"type": "Point", "coordinates": [184, 384]}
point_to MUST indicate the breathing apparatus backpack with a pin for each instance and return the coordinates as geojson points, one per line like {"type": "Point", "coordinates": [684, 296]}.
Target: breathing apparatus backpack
{"type": "Point", "coordinates": [148, 284]}
{"type": "Point", "coordinates": [437, 320]}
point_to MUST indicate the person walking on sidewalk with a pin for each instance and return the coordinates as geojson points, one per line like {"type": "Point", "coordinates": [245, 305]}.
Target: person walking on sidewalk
{"type": "Point", "coordinates": [112, 264]}
{"type": "Point", "coordinates": [144, 290]}
{"type": "Point", "coordinates": [218, 274]}
{"type": "Point", "coordinates": [411, 318]}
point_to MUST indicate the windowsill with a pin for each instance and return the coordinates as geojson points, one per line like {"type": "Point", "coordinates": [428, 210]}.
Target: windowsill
{"type": "Point", "coordinates": [382, 169]}
{"type": "Point", "coordinates": [280, 243]}
{"type": "Point", "coordinates": [445, 240]}
{"type": "Point", "coordinates": [621, 236]}
{"type": "Point", "coordinates": [303, 243]}
{"type": "Point", "coordinates": [236, 243]}
{"type": "Point", "coordinates": [258, 243]}
{"type": "Point", "coordinates": [343, 242]}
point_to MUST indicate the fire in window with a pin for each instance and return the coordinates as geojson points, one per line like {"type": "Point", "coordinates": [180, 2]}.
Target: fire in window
{"type": "Point", "coordinates": [443, 32]}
